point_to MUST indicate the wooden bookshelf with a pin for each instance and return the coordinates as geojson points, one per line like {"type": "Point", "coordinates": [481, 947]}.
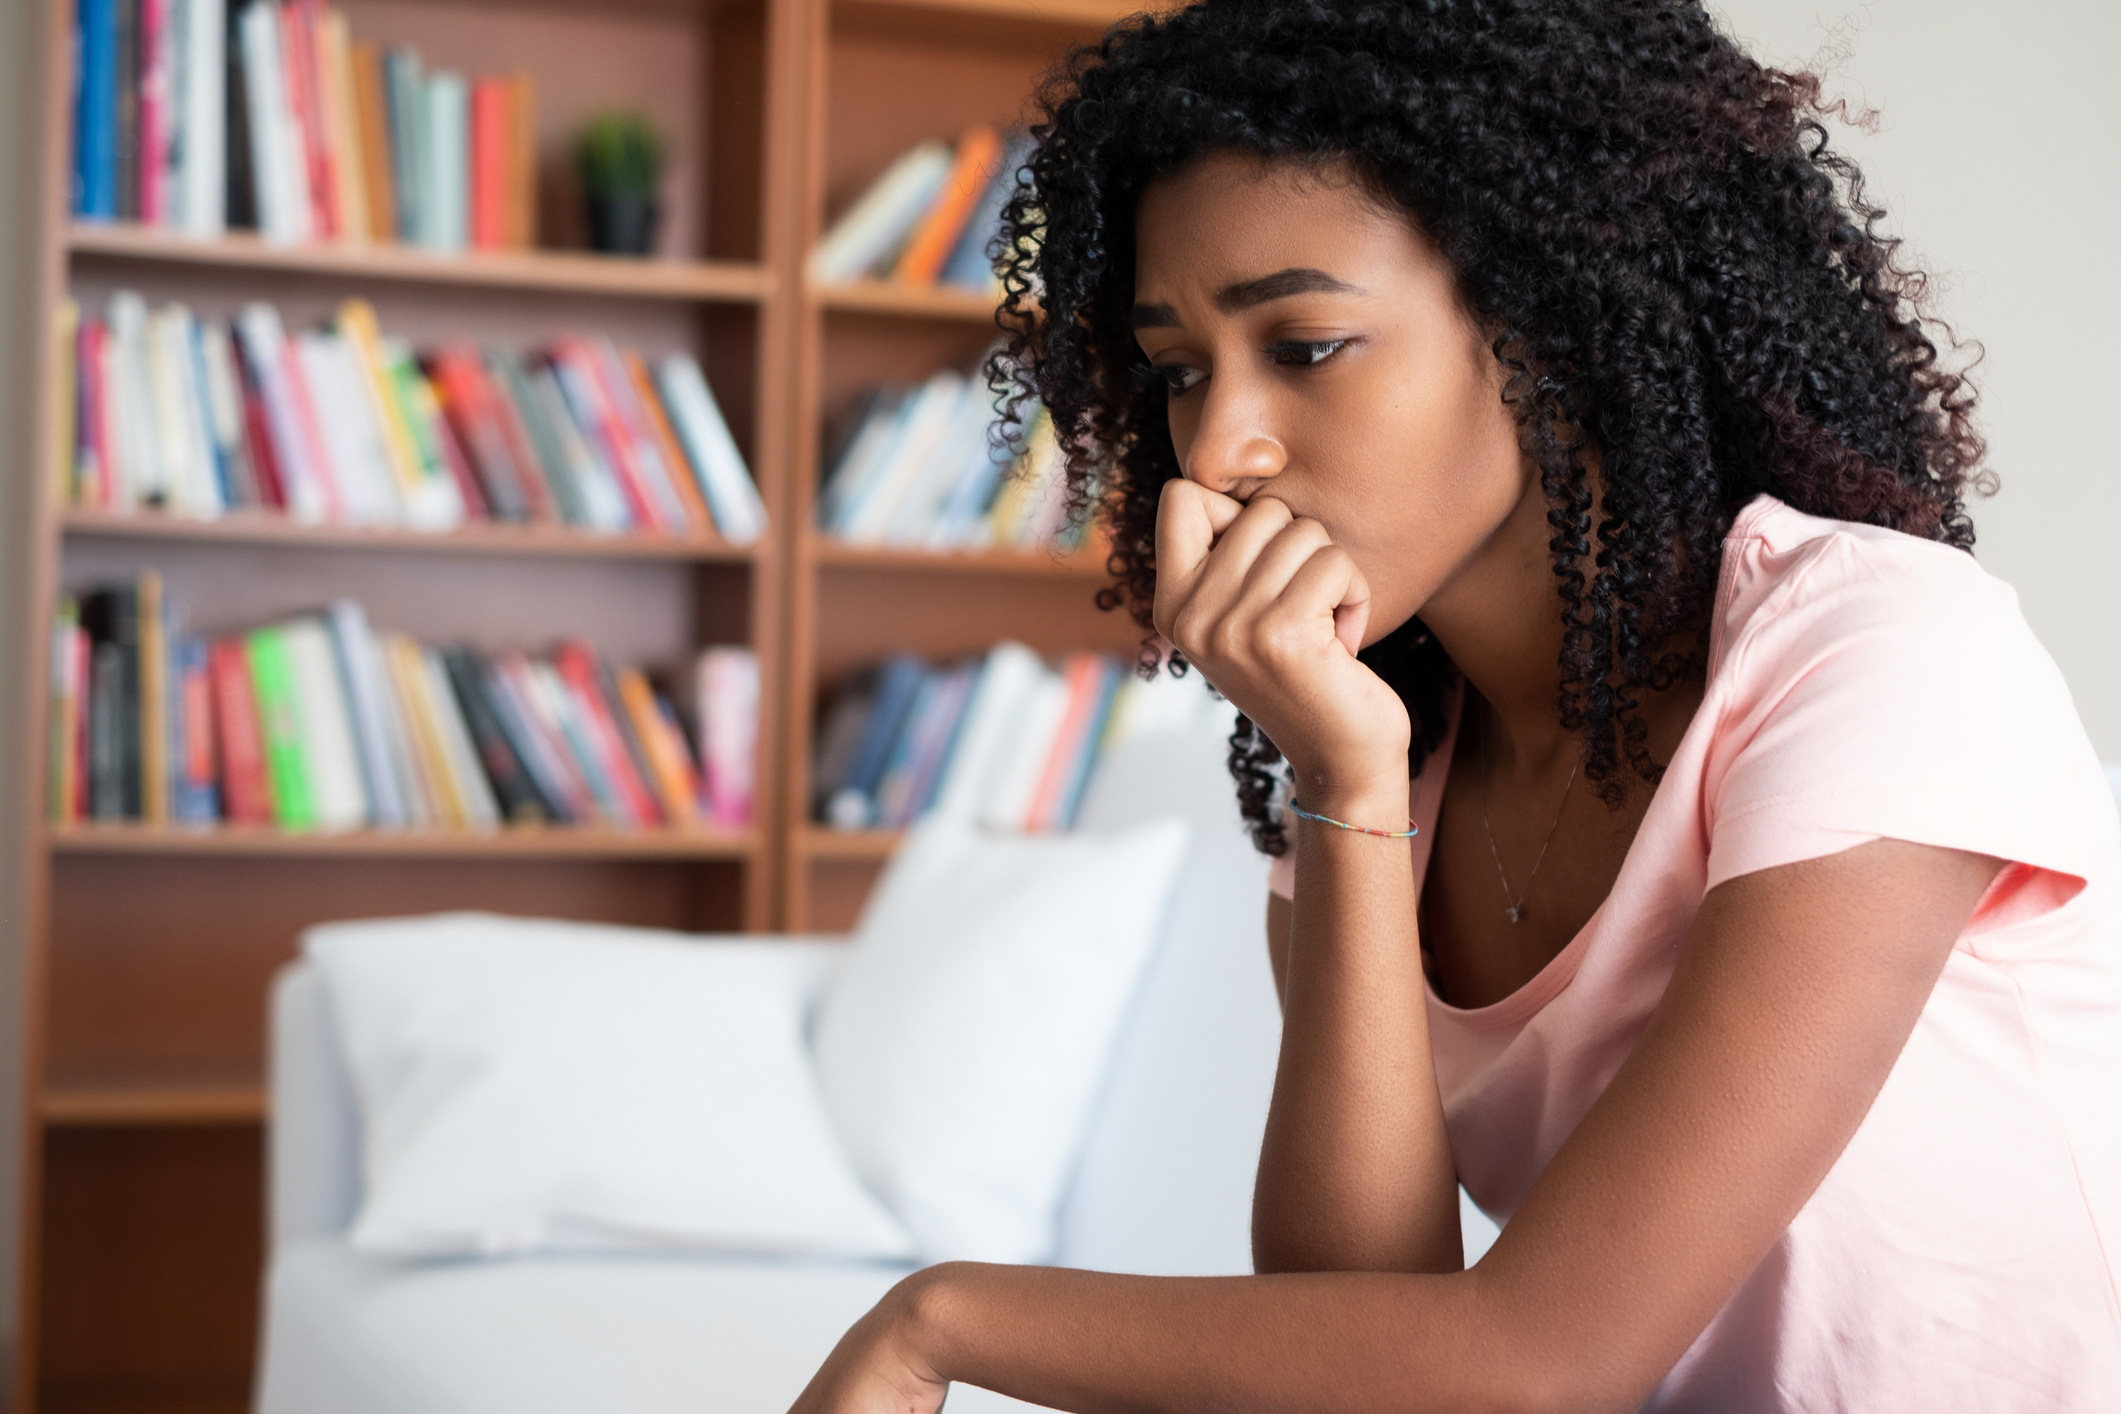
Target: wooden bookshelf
{"type": "Point", "coordinates": [151, 949]}
{"type": "Point", "coordinates": [555, 272]}
{"type": "Point", "coordinates": [84, 1105]}
{"type": "Point", "coordinates": [476, 538]}
{"type": "Point", "coordinates": [540, 842]}
{"type": "Point", "coordinates": [907, 301]}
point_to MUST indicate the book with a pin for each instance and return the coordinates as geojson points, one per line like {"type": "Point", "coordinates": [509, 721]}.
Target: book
{"type": "Point", "coordinates": [69, 694]}
{"type": "Point", "coordinates": [405, 90]}
{"type": "Point", "coordinates": [1008, 676]}
{"type": "Point", "coordinates": [195, 790]}
{"type": "Point", "coordinates": [580, 676]}
{"type": "Point", "coordinates": [971, 265]}
{"type": "Point", "coordinates": [446, 166]}
{"type": "Point", "coordinates": [96, 83]}
{"type": "Point", "coordinates": [204, 109]}
{"type": "Point", "coordinates": [712, 453]}
{"type": "Point", "coordinates": [246, 790]}
{"type": "Point", "coordinates": [331, 758]}
{"type": "Point", "coordinates": [157, 58]}
{"type": "Point", "coordinates": [978, 153]}
{"type": "Point", "coordinates": [152, 696]}
{"type": "Point", "coordinates": [280, 729]}
{"type": "Point", "coordinates": [880, 218]}
{"type": "Point", "coordinates": [360, 674]}
{"type": "Point", "coordinates": [515, 791]}
{"type": "Point", "coordinates": [728, 694]}
{"type": "Point", "coordinates": [344, 137]}
{"type": "Point", "coordinates": [372, 122]}
{"type": "Point", "coordinates": [853, 803]}
{"type": "Point", "coordinates": [492, 162]}
{"type": "Point", "coordinates": [676, 781]}
{"type": "Point", "coordinates": [522, 161]}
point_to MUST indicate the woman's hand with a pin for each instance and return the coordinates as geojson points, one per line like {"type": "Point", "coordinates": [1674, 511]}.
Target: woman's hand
{"type": "Point", "coordinates": [876, 1369]}
{"type": "Point", "coordinates": [1272, 612]}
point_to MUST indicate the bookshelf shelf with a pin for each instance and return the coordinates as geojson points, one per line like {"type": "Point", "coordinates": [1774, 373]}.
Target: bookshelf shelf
{"type": "Point", "coordinates": [818, 842]}
{"type": "Point", "coordinates": [83, 1105]}
{"type": "Point", "coordinates": [527, 843]}
{"type": "Point", "coordinates": [914, 301]}
{"type": "Point", "coordinates": [558, 272]}
{"type": "Point", "coordinates": [251, 528]}
{"type": "Point", "coordinates": [838, 554]}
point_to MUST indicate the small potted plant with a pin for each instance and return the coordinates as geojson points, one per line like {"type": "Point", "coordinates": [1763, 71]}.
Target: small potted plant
{"type": "Point", "coordinates": [619, 159]}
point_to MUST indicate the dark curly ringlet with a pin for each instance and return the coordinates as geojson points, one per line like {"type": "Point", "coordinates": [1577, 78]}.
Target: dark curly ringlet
{"type": "Point", "coordinates": [1690, 296]}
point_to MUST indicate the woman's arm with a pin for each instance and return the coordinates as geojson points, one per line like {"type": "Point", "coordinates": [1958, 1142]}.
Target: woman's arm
{"type": "Point", "coordinates": [1794, 993]}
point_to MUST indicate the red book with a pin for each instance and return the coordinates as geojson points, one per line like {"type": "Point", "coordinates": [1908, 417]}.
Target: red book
{"type": "Point", "coordinates": [578, 669]}
{"type": "Point", "coordinates": [1085, 678]}
{"type": "Point", "coordinates": [460, 387]}
{"type": "Point", "coordinates": [475, 507]}
{"type": "Point", "coordinates": [264, 464]}
{"type": "Point", "coordinates": [492, 152]}
{"type": "Point", "coordinates": [298, 57]}
{"type": "Point", "coordinates": [157, 74]}
{"type": "Point", "coordinates": [246, 793]}
{"type": "Point", "coordinates": [610, 431]}
{"type": "Point", "coordinates": [530, 474]}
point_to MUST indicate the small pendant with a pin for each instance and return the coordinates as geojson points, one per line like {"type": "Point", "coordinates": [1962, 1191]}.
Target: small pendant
{"type": "Point", "coordinates": [1515, 913]}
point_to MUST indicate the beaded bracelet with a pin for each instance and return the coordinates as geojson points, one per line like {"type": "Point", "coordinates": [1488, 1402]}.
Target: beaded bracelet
{"type": "Point", "coordinates": [1408, 833]}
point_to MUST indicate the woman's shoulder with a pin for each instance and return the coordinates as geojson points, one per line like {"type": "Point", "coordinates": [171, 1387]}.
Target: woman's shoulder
{"type": "Point", "coordinates": [1800, 583]}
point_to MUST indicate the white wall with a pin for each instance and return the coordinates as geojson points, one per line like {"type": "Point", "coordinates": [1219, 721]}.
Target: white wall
{"type": "Point", "coordinates": [1999, 160]}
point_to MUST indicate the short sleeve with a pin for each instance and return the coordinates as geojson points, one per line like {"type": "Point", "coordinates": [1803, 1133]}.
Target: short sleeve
{"type": "Point", "coordinates": [1889, 688]}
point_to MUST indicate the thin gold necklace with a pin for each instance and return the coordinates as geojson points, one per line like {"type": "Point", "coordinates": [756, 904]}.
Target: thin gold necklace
{"type": "Point", "coordinates": [1514, 906]}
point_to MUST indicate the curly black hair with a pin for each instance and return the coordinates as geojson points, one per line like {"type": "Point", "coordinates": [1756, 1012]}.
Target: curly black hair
{"type": "Point", "coordinates": [1690, 296]}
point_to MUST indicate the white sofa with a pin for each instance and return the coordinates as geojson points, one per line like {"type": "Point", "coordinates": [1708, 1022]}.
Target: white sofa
{"type": "Point", "coordinates": [1164, 1185]}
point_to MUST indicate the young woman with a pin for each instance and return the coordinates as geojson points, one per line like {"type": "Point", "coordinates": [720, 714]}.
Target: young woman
{"type": "Point", "coordinates": [1518, 396]}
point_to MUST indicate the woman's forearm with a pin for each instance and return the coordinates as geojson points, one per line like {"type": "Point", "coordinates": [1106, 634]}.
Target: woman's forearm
{"type": "Point", "coordinates": [1355, 1170]}
{"type": "Point", "coordinates": [1319, 1343]}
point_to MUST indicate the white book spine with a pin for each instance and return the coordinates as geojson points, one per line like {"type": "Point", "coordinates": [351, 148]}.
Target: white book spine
{"type": "Point", "coordinates": [963, 438]}
{"type": "Point", "coordinates": [224, 404]}
{"type": "Point", "coordinates": [871, 442]}
{"type": "Point", "coordinates": [355, 648]}
{"type": "Point", "coordinates": [203, 192]}
{"type": "Point", "coordinates": [283, 206]}
{"type": "Point", "coordinates": [1000, 701]}
{"type": "Point", "coordinates": [725, 482]}
{"type": "Point", "coordinates": [317, 354]}
{"type": "Point", "coordinates": [1015, 779]}
{"type": "Point", "coordinates": [201, 464]}
{"type": "Point", "coordinates": [868, 516]}
{"type": "Point", "coordinates": [448, 168]}
{"type": "Point", "coordinates": [602, 501]}
{"type": "Point", "coordinates": [328, 749]}
{"type": "Point", "coordinates": [144, 482]}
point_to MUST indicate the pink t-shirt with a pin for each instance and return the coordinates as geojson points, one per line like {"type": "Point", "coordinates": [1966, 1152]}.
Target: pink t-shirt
{"type": "Point", "coordinates": [1961, 1255]}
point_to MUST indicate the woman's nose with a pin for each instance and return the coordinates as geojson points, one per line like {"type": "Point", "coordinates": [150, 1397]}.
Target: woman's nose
{"type": "Point", "coordinates": [1232, 451]}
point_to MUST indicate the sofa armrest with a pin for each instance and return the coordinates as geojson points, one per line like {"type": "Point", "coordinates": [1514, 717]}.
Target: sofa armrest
{"type": "Point", "coordinates": [314, 1143]}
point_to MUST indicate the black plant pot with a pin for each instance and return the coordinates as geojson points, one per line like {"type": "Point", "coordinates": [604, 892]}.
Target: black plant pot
{"type": "Point", "coordinates": [623, 225]}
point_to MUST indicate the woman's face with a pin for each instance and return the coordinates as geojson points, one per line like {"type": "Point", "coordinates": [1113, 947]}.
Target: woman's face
{"type": "Point", "coordinates": [1317, 351]}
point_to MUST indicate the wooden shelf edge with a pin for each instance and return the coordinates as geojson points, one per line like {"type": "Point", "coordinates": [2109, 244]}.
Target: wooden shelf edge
{"type": "Point", "coordinates": [916, 301]}
{"type": "Point", "coordinates": [1089, 16]}
{"type": "Point", "coordinates": [820, 842]}
{"type": "Point", "coordinates": [236, 841]}
{"type": "Point", "coordinates": [829, 553]}
{"type": "Point", "coordinates": [107, 1105]}
{"type": "Point", "coordinates": [566, 272]}
{"type": "Point", "coordinates": [260, 528]}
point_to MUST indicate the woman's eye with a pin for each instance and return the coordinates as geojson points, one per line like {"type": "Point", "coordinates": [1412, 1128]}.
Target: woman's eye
{"type": "Point", "coordinates": [1178, 377]}
{"type": "Point", "coordinates": [1302, 353]}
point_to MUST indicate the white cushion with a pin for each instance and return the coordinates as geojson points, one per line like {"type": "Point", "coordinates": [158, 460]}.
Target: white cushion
{"type": "Point", "coordinates": [358, 1334]}
{"type": "Point", "coordinates": [964, 1042]}
{"type": "Point", "coordinates": [538, 1085]}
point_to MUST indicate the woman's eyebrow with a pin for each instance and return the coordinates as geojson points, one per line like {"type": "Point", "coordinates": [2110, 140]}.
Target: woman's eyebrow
{"type": "Point", "coordinates": [1231, 299]}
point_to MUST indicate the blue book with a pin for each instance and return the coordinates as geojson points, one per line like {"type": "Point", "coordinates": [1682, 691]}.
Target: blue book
{"type": "Point", "coordinates": [445, 204]}
{"type": "Point", "coordinates": [405, 106]}
{"type": "Point", "coordinates": [853, 805]}
{"type": "Point", "coordinates": [96, 110]}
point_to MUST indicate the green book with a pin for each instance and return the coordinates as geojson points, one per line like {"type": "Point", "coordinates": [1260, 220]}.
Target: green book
{"type": "Point", "coordinates": [272, 675]}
